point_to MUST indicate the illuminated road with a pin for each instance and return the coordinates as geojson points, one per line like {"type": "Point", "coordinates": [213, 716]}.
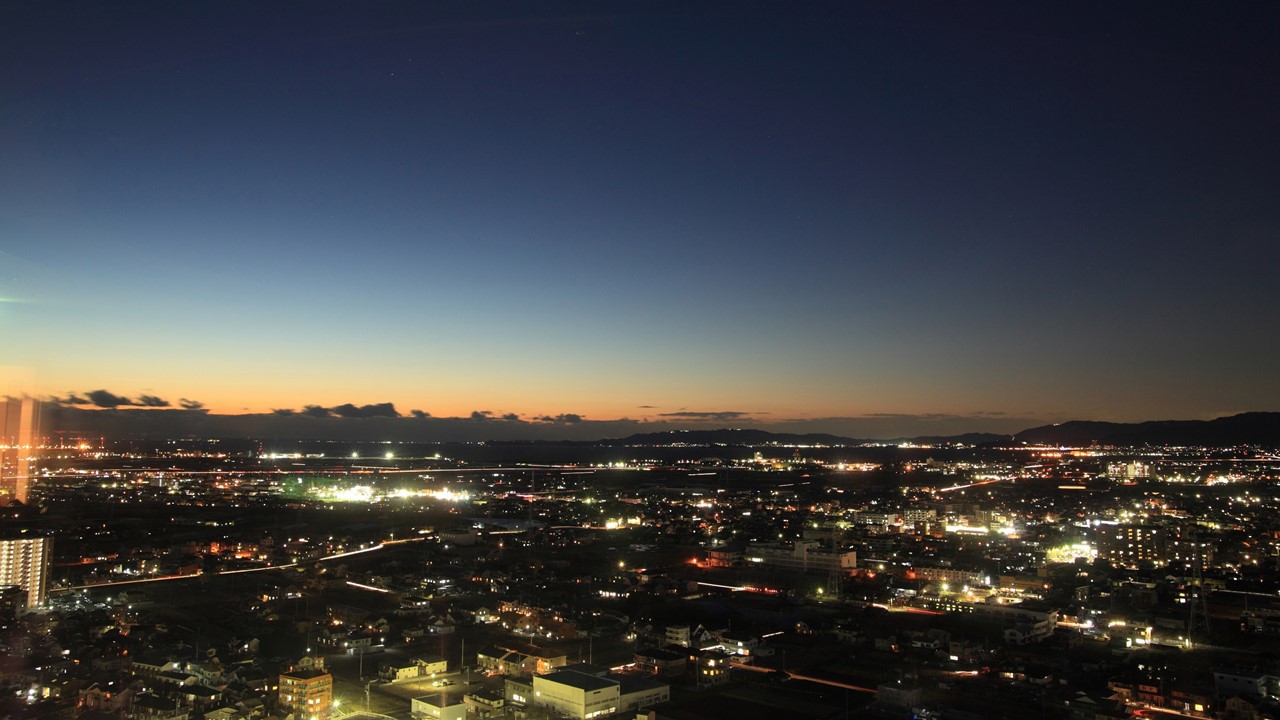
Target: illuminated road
{"type": "Point", "coordinates": [1146, 711]}
{"type": "Point", "coordinates": [325, 558]}
{"type": "Point", "coordinates": [963, 487]}
{"type": "Point", "coordinates": [807, 678]}
{"type": "Point", "coordinates": [907, 609]}
{"type": "Point", "coordinates": [563, 470]}
{"type": "Point", "coordinates": [832, 683]}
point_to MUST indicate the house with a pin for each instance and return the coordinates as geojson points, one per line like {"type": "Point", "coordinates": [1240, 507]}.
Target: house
{"type": "Point", "coordinates": [254, 678]}
{"type": "Point", "coordinates": [396, 672]}
{"type": "Point", "coordinates": [739, 644]}
{"type": "Point", "coordinates": [149, 706]}
{"type": "Point", "coordinates": [1026, 634]}
{"type": "Point", "coordinates": [498, 660]}
{"type": "Point", "coordinates": [484, 704]}
{"type": "Point", "coordinates": [1085, 706]}
{"type": "Point", "coordinates": [712, 667]}
{"type": "Point", "coordinates": [431, 665]}
{"type": "Point", "coordinates": [690, 637]}
{"type": "Point", "coordinates": [426, 666]}
{"type": "Point", "coordinates": [662, 663]}
{"type": "Point", "coordinates": [108, 696]}
{"type": "Point", "coordinates": [150, 666]}
{"type": "Point", "coordinates": [199, 696]}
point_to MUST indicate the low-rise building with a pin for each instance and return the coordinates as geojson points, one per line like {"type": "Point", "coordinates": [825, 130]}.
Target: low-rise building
{"type": "Point", "coordinates": [802, 556]}
{"type": "Point", "coordinates": [661, 663]}
{"type": "Point", "coordinates": [439, 706]}
{"type": "Point", "coordinates": [576, 694]}
{"type": "Point", "coordinates": [484, 704]}
{"type": "Point", "coordinates": [149, 706]}
{"type": "Point", "coordinates": [586, 691]}
{"type": "Point", "coordinates": [507, 661]}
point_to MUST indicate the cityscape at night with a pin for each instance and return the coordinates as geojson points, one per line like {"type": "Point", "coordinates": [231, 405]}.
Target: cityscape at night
{"type": "Point", "coordinates": [654, 360]}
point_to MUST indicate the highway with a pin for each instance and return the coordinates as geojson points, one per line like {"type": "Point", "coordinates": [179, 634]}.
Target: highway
{"type": "Point", "coordinates": [326, 558]}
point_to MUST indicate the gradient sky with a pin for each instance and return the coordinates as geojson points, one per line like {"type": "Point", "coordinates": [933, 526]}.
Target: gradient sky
{"type": "Point", "coordinates": [792, 210]}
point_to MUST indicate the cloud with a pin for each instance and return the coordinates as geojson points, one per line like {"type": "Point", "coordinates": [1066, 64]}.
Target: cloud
{"type": "Point", "coordinates": [284, 411]}
{"type": "Point", "coordinates": [420, 414]}
{"type": "Point", "coordinates": [347, 410]}
{"type": "Point", "coordinates": [647, 407]}
{"type": "Point", "coordinates": [511, 417]}
{"type": "Point", "coordinates": [481, 414]}
{"type": "Point", "coordinates": [105, 399]}
{"type": "Point", "coordinates": [72, 399]}
{"type": "Point", "coordinates": [563, 418]}
{"type": "Point", "coordinates": [316, 411]}
{"type": "Point", "coordinates": [716, 415]}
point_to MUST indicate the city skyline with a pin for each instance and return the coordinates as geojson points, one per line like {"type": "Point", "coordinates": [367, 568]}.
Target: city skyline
{"type": "Point", "coordinates": [918, 220]}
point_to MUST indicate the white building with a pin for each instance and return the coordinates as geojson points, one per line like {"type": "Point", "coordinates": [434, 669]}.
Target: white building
{"type": "Point", "coordinates": [804, 556]}
{"type": "Point", "coordinates": [586, 693]}
{"type": "Point", "coordinates": [576, 694]}
{"type": "Point", "coordinates": [441, 706]}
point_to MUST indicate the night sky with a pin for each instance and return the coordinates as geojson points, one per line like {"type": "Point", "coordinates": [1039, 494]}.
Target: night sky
{"type": "Point", "coordinates": [988, 214]}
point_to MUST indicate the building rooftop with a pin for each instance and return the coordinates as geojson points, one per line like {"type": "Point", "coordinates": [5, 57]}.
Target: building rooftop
{"type": "Point", "coordinates": [575, 679]}
{"type": "Point", "coordinates": [304, 673]}
{"type": "Point", "coordinates": [628, 684]}
{"type": "Point", "coordinates": [441, 699]}
{"type": "Point", "coordinates": [586, 669]}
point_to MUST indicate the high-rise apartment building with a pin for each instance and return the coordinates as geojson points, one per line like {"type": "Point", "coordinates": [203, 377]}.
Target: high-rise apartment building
{"type": "Point", "coordinates": [1127, 545]}
{"type": "Point", "coordinates": [306, 690]}
{"type": "Point", "coordinates": [24, 562]}
{"type": "Point", "coordinates": [19, 440]}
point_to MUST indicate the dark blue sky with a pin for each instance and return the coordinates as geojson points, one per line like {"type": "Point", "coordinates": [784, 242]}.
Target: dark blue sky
{"type": "Point", "coordinates": [790, 210]}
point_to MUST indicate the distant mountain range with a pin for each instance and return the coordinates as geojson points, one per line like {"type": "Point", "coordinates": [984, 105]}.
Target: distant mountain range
{"type": "Point", "coordinates": [730, 437]}
{"type": "Point", "coordinates": [764, 437]}
{"type": "Point", "coordinates": [1255, 428]}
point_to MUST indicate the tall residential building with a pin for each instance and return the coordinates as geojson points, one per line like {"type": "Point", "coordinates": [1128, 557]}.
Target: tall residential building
{"type": "Point", "coordinates": [306, 691]}
{"type": "Point", "coordinates": [1127, 545]}
{"type": "Point", "coordinates": [24, 562]}
{"type": "Point", "coordinates": [19, 439]}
